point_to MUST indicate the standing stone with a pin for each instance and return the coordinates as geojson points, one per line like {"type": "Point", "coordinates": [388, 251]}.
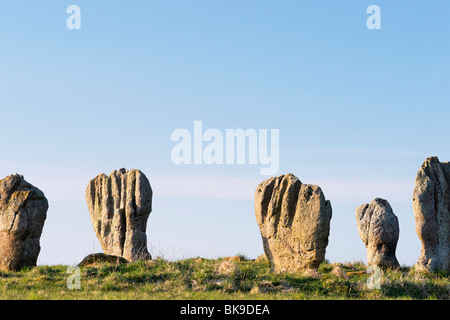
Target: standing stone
{"type": "Point", "coordinates": [23, 210]}
{"type": "Point", "coordinates": [119, 206]}
{"type": "Point", "coordinates": [431, 204]}
{"type": "Point", "coordinates": [294, 220]}
{"type": "Point", "coordinates": [379, 230]}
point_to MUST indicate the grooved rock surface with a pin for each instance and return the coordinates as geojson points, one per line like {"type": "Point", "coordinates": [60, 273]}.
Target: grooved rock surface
{"type": "Point", "coordinates": [119, 206]}
{"type": "Point", "coordinates": [431, 204]}
{"type": "Point", "coordinates": [379, 230]}
{"type": "Point", "coordinates": [23, 210]}
{"type": "Point", "coordinates": [294, 220]}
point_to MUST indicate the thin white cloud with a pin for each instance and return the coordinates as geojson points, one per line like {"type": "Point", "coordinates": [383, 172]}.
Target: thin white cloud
{"type": "Point", "coordinates": [69, 184]}
{"type": "Point", "coordinates": [201, 187]}
{"type": "Point", "coordinates": [345, 151]}
{"type": "Point", "coordinates": [59, 183]}
{"type": "Point", "coordinates": [365, 190]}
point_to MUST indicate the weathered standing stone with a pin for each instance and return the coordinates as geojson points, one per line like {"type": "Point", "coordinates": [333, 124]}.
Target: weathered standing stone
{"type": "Point", "coordinates": [379, 230]}
{"type": "Point", "coordinates": [119, 206]}
{"type": "Point", "coordinates": [294, 220]}
{"type": "Point", "coordinates": [431, 204]}
{"type": "Point", "coordinates": [23, 210]}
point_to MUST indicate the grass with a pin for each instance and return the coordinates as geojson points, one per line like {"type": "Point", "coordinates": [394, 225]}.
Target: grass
{"type": "Point", "coordinates": [220, 279]}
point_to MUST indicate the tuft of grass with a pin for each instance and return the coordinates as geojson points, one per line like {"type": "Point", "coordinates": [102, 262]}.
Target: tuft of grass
{"type": "Point", "coordinates": [243, 256]}
{"type": "Point", "coordinates": [200, 278]}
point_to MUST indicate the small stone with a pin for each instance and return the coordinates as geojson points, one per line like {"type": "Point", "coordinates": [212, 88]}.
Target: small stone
{"type": "Point", "coordinates": [101, 258]}
{"type": "Point", "coordinates": [261, 258]}
{"type": "Point", "coordinates": [227, 268]}
{"type": "Point", "coordinates": [338, 271]}
{"type": "Point", "coordinates": [233, 259]}
{"type": "Point", "coordinates": [313, 273]}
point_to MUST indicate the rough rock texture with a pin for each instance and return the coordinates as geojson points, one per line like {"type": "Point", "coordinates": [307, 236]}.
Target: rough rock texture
{"type": "Point", "coordinates": [119, 206]}
{"type": "Point", "coordinates": [294, 220]}
{"type": "Point", "coordinates": [23, 210]}
{"type": "Point", "coordinates": [431, 204]}
{"type": "Point", "coordinates": [101, 257]}
{"type": "Point", "coordinates": [379, 230]}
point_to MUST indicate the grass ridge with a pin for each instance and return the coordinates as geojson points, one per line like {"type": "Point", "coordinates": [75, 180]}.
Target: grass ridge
{"type": "Point", "coordinates": [218, 279]}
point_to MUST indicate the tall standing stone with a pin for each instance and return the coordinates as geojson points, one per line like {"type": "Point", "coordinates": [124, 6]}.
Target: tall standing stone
{"type": "Point", "coordinates": [23, 210]}
{"type": "Point", "coordinates": [119, 206]}
{"type": "Point", "coordinates": [294, 220]}
{"type": "Point", "coordinates": [379, 230]}
{"type": "Point", "coordinates": [431, 204]}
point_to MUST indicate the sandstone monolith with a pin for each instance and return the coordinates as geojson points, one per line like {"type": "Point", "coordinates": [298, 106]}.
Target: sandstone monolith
{"type": "Point", "coordinates": [23, 210]}
{"type": "Point", "coordinates": [119, 206]}
{"type": "Point", "coordinates": [379, 230]}
{"type": "Point", "coordinates": [294, 220]}
{"type": "Point", "coordinates": [431, 205]}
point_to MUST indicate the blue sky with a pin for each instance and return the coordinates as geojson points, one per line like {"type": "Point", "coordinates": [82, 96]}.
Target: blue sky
{"type": "Point", "coordinates": [358, 110]}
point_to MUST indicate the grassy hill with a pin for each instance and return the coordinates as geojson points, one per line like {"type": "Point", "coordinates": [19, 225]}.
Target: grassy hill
{"type": "Point", "coordinates": [222, 279]}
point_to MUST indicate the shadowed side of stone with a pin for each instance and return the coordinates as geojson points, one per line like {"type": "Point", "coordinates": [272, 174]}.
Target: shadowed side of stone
{"type": "Point", "coordinates": [294, 220]}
